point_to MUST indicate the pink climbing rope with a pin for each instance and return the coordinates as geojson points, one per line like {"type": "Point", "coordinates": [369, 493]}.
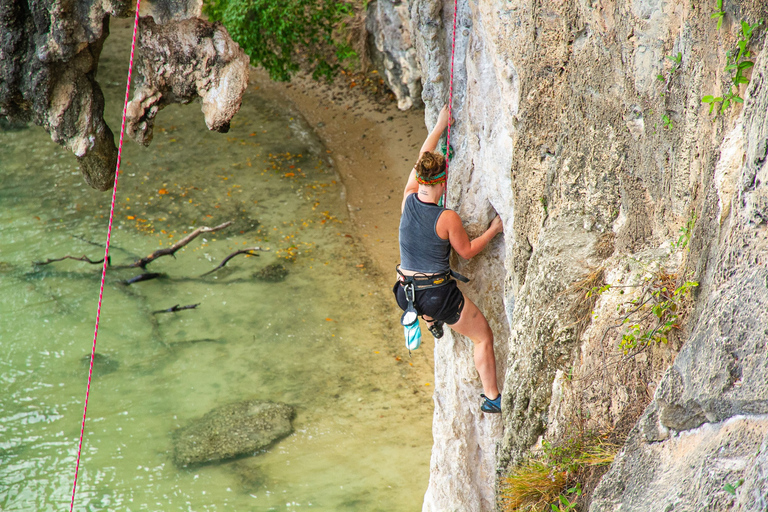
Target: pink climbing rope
{"type": "Point", "coordinates": [106, 255]}
{"type": "Point", "coordinates": [450, 104]}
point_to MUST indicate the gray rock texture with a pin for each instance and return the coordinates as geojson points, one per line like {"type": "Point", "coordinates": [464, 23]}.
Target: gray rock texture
{"type": "Point", "coordinates": [49, 53]}
{"type": "Point", "coordinates": [595, 164]}
{"type": "Point", "coordinates": [182, 61]}
{"type": "Point", "coordinates": [707, 424]}
{"type": "Point", "coordinates": [389, 25]}
{"type": "Point", "coordinates": [232, 430]}
{"type": "Point", "coordinates": [691, 469]}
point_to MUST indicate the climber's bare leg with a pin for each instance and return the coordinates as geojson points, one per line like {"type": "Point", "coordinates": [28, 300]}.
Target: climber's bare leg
{"type": "Point", "coordinates": [473, 325]}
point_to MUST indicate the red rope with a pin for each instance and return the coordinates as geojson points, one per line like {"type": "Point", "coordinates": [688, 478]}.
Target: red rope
{"type": "Point", "coordinates": [106, 255]}
{"type": "Point", "coordinates": [450, 105]}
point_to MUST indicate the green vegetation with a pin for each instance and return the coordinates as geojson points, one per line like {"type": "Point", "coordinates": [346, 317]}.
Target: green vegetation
{"type": "Point", "coordinates": [666, 121]}
{"type": "Point", "coordinates": [719, 14]}
{"type": "Point", "coordinates": [735, 66]}
{"type": "Point", "coordinates": [281, 35]}
{"type": "Point", "coordinates": [650, 316]}
{"type": "Point", "coordinates": [666, 77]}
{"type": "Point", "coordinates": [731, 488]}
{"type": "Point", "coordinates": [551, 480]}
{"type": "Point", "coordinates": [685, 234]}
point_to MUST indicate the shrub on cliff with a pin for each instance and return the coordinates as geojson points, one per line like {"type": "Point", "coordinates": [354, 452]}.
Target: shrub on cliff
{"type": "Point", "coordinates": [281, 35]}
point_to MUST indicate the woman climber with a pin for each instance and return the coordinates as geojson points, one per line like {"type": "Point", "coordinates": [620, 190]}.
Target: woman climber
{"type": "Point", "coordinates": [427, 233]}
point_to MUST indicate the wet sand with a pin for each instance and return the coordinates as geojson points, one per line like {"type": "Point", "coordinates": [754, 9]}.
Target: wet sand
{"type": "Point", "coordinates": [373, 147]}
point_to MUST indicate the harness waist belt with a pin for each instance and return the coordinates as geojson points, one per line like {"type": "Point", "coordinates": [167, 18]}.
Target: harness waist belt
{"type": "Point", "coordinates": [424, 282]}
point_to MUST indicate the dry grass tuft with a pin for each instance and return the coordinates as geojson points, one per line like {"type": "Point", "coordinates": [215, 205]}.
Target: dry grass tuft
{"type": "Point", "coordinates": [532, 487]}
{"type": "Point", "coordinates": [540, 482]}
{"type": "Point", "coordinates": [605, 245]}
{"type": "Point", "coordinates": [582, 303]}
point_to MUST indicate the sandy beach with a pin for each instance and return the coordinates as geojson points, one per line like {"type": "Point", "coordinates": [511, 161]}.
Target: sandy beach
{"type": "Point", "coordinates": [373, 146]}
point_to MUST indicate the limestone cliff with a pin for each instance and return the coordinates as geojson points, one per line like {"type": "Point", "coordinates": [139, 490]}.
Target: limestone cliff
{"type": "Point", "coordinates": [581, 123]}
{"type": "Point", "coordinates": [49, 54]}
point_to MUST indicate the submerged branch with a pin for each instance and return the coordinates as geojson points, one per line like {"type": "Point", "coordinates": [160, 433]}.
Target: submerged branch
{"type": "Point", "coordinates": [176, 308]}
{"type": "Point", "coordinates": [142, 277]}
{"type": "Point", "coordinates": [226, 260]}
{"type": "Point", "coordinates": [68, 257]}
{"type": "Point", "coordinates": [143, 262]}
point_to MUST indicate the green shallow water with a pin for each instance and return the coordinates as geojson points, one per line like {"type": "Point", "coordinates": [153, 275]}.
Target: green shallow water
{"type": "Point", "coordinates": [324, 340]}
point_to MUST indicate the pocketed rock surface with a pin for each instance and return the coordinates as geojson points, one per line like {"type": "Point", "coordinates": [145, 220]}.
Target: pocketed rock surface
{"type": "Point", "coordinates": [232, 430]}
{"type": "Point", "coordinates": [596, 151]}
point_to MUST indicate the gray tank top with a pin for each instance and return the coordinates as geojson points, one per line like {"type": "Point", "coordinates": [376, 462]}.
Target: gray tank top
{"type": "Point", "coordinates": [421, 250]}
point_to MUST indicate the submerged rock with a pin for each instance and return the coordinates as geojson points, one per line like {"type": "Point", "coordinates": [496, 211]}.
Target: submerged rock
{"type": "Point", "coordinates": [12, 126]}
{"type": "Point", "coordinates": [102, 365]}
{"type": "Point", "coordinates": [272, 273]}
{"type": "Point", "coordinates": [231, 431]}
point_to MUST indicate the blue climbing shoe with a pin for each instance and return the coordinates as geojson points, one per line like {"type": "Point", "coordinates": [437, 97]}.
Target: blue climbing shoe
{"type": "Point", "coordinates": [492, 406]}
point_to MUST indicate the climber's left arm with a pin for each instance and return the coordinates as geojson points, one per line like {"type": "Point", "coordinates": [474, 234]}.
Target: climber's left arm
{"type": "Point", "coordinates": [430, 144]}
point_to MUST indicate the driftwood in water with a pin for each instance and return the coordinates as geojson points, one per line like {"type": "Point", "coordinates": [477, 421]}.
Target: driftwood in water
{"type": "Point", "coordinates": [176, 308]}
{"type": "Point", "coordinates": [143, 262]}
{"type": "Point", "coordinates": [141, 277]}
{"type": "Point", "coordinates": [68, 257]}
{"type": "Point", "coordinates": [250, 252]}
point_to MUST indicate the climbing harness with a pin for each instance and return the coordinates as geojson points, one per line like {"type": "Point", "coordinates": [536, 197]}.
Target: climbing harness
{"type": "Point", "coordinates": [106, 254]}
{"type": "Point", "coordinates": [410, 317]}
{"type": "Point", "coordinates": [448, 152]}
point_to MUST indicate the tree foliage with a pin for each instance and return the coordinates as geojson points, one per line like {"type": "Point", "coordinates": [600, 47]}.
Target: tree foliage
{"type": "Point", "coordinates": [281, 34]}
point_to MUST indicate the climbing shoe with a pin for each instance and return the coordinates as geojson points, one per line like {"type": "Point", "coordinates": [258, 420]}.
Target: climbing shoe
{"type": "Point", "coordinates": [489, 405]}
{"type": "Point", "coordinates": [437, 329]}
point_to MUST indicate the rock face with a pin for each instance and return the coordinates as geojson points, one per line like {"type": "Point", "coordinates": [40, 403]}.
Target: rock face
{"type": "Point", "coordinates": [596, 150]}
{"type": "Point", "coordinates": [232, 430]}
{"type": "Point", "coordinates": [48, 59]}
{"type": "Point", "coordinates": [388, 23]}
{"type": "Point", "coordinates": [49, 53]}
{"type": "Point", "coordinates": [182, 61]}
{"type": "Point", "coordinates": [708, 422]}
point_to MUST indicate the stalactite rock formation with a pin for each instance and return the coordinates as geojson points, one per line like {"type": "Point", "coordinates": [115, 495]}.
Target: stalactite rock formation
{"type": "Point", "coordinates": [181, 61]}
{"type": "Point", "coordinates": [49, 54]}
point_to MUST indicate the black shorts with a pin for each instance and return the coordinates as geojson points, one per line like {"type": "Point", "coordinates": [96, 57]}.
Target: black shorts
{"type": "Point", "coordinates": [442, 303]}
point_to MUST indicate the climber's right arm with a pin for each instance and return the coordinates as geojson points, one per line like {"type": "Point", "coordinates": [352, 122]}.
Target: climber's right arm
{"type": "Point", "coordinates": [449, 226]}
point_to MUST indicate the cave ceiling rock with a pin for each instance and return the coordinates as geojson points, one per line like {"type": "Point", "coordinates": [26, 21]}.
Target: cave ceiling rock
{"type": "Point", "coordinates": [179, 62]}
{"type": "Point", "coordinates": [49, 54]}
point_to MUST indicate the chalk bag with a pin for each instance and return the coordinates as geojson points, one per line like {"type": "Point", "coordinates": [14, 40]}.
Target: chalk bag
{"type": "Point", "coordinates": [410, 320]}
